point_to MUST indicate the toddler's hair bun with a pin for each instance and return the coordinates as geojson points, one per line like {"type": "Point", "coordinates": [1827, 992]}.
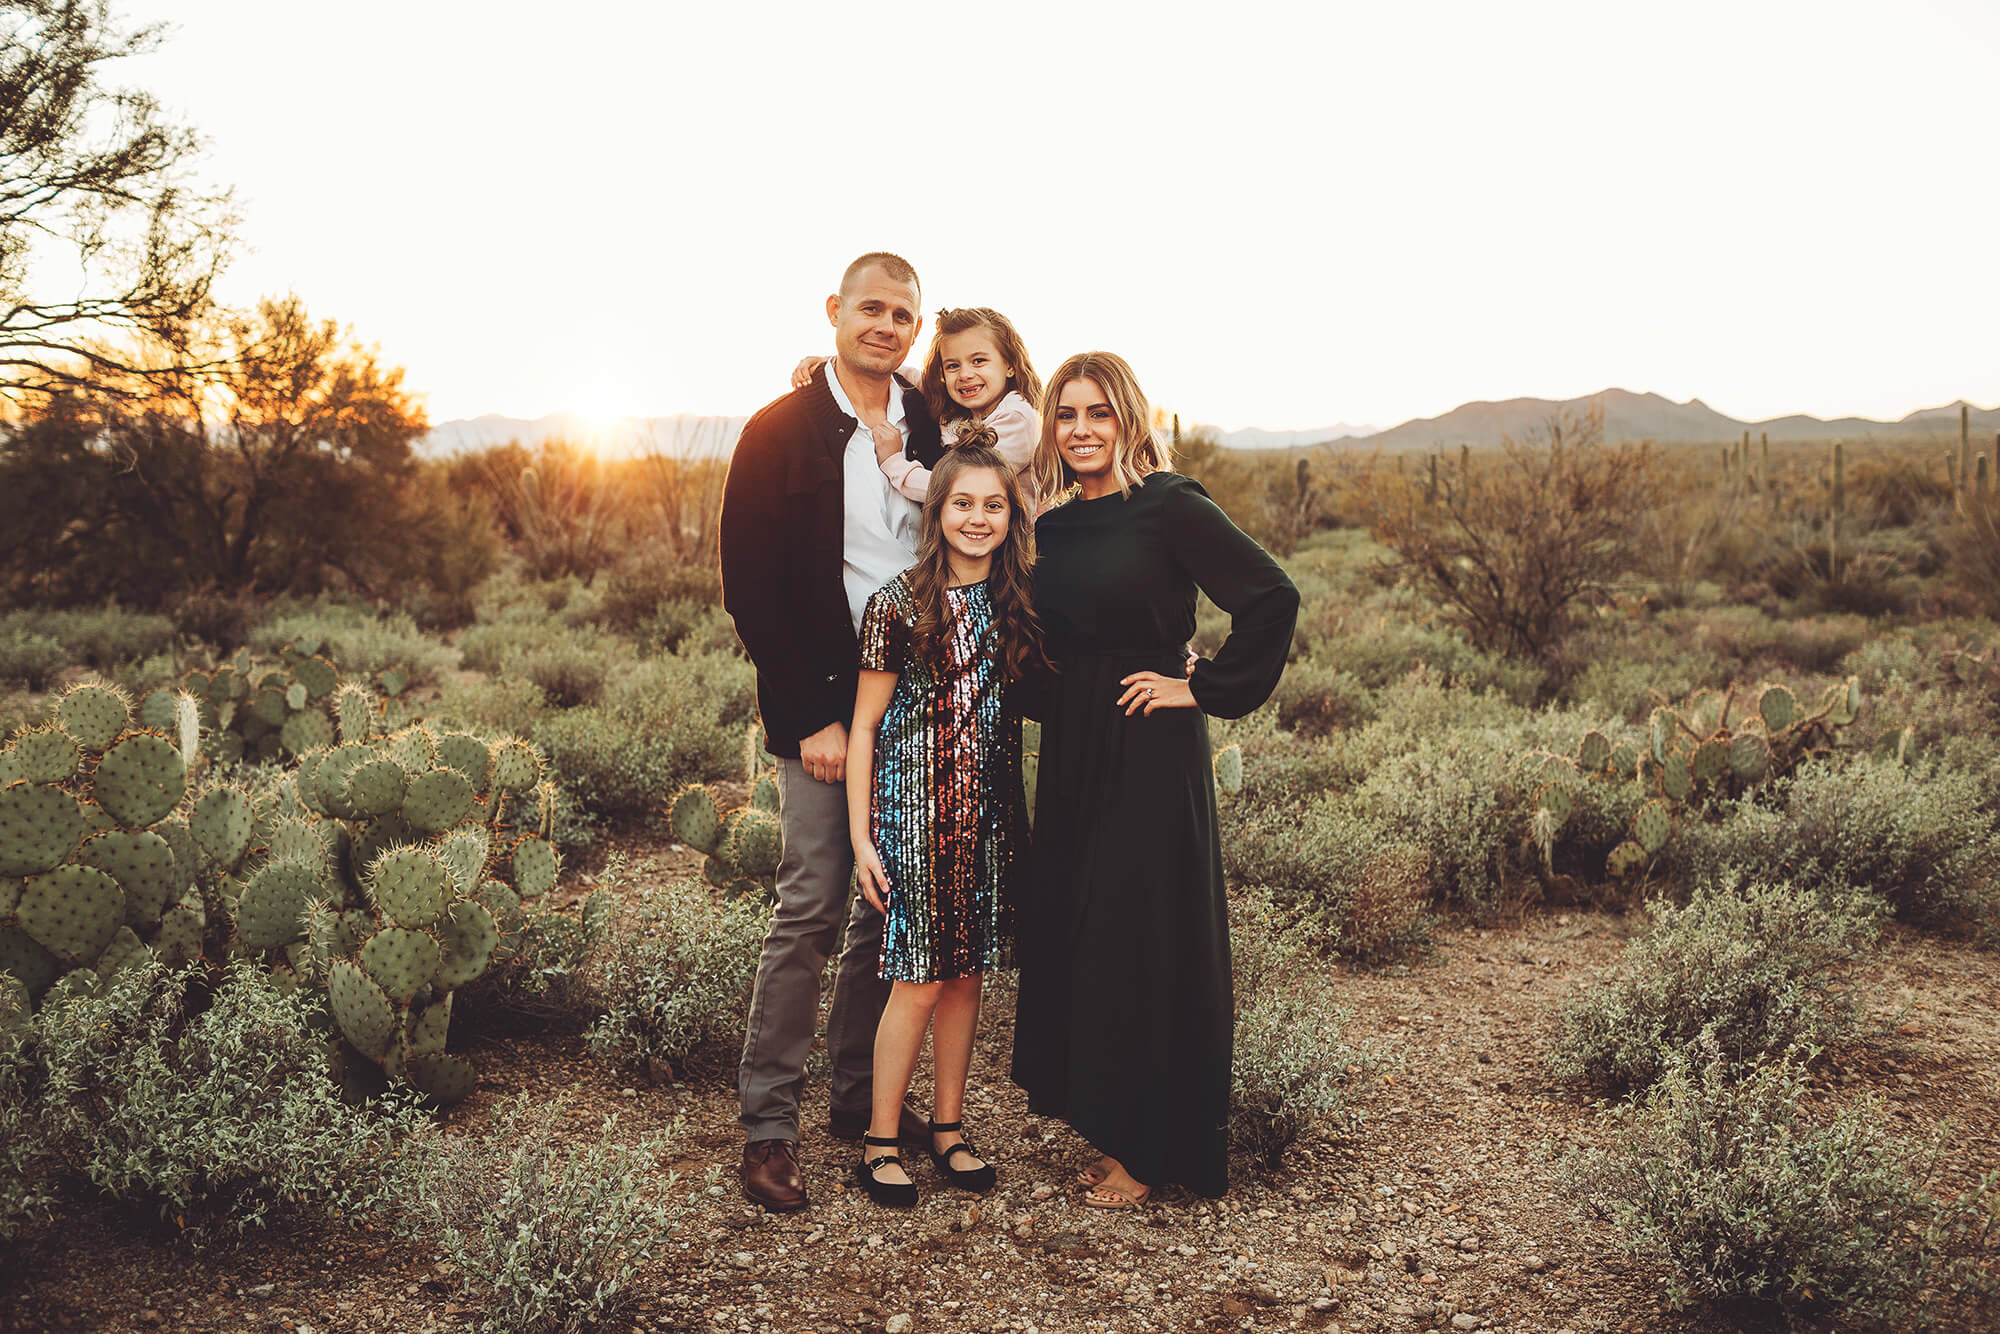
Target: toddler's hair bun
{"type": "Point", "coordinates": [977, 433]}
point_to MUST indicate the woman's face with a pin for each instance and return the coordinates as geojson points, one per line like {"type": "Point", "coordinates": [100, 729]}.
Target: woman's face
{"type": "Point", "coordinates": [1087, 433]}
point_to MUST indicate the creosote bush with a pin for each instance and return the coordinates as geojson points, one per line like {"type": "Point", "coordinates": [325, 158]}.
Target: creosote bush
{"type": "Point", "coordinates": [217, 1117]}
{"type": "Point", "coordinates": [1731, 1184]}
{"type": "Point", "coordinates": [681, 978]}
{"type": "Point", "coordinates": [1744, 971]}
{"type": "Point", "coordinates": [551, 1229]}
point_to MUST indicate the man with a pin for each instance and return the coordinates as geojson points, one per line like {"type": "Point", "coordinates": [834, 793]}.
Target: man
{"type": "Point", "coordinates": [810, 528]}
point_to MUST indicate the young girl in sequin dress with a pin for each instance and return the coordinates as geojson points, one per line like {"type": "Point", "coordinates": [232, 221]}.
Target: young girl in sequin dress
{"type": "Point", "coordinates": [940, 828]}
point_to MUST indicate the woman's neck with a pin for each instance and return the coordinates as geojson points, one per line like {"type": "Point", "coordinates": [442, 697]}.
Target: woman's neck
{"type": "Point", "coordinates": [1096, 486]}
{"type": "Point", "coordinates": [965, 570]}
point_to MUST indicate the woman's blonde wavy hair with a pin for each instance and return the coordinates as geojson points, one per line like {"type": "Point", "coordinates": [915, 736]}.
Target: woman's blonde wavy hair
{"type": "Point", "coordinates": [1139, 450]}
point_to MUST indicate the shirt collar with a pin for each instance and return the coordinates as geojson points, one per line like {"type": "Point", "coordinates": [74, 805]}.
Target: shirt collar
{"type": "Point", "coordinates": [896, 412]}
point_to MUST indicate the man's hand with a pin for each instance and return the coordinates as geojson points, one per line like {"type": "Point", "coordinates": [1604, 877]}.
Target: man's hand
{"type": "Point", "coordinates": [824, 753]}
{"type": "Point", "coordinates": [888, 442]}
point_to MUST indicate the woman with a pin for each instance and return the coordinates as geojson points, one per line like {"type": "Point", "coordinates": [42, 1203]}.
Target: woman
{"type": "Point", "coordinates": [1126, 1016]}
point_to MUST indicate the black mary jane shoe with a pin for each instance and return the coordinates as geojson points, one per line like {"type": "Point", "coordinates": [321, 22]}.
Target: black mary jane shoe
{"type": "Point", "coordinates": [892, 1194]}
{"type": "Point", "coordinates": [979, 1179]}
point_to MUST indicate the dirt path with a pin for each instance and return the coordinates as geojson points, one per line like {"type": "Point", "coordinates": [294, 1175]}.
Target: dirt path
{"type": "Point", "coordinates": [1442, 1212]}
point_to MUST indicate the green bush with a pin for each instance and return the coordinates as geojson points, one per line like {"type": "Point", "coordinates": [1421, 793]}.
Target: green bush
{"type": "Point", "coordinates": [1315, 700]}
{"type": "Point", "coordinates": [543, 972]}
{"type": "Point", "coordinates": [569, 671]}
{"type": "Point", "coordinates": [1294, 1073]}
{"type": "Point", "coordinates": [99, 637]}
{"type": "Point", "coordinates": [680, 977]}
{"type": "Point", "coordinates": [217, 1118]}
{"type": "Point", "coordinates": [659, 724]}
{"type": "Point", "coordinates": [363, 640]}
{"type": "Point", "coordinates": [551, 1231]}
{"type": "Point", "coordinates": [1729, 1184]}
{"type": "Point", "coordinates": [30, 658]}
{"type": "Point", "coordinates": [1745, 972]}
{"type": "Point", "coordinates": [1348, 881]}
{"type": "Point", "coordinates": [683, 625]}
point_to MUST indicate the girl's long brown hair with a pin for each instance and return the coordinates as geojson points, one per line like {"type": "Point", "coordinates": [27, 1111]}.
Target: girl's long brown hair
{"type": "Point", "coordinates": [1012, 351]}
{"type": "Point", "coordinates": [1017, 631]}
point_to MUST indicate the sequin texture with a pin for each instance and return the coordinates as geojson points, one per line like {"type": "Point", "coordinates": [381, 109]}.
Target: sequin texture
{"type": "Point", "coordinates": [946, 809]}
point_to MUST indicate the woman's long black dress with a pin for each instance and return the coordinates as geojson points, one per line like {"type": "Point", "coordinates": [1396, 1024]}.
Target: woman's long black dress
{"type": "Point", "coordinates": [1126, 1015]}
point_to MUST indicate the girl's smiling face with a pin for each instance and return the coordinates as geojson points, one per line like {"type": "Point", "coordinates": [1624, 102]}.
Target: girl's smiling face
{"type": "Point", "coordinates": [975, 514]}
{"type": "Point", "coordinates": [975, 374]}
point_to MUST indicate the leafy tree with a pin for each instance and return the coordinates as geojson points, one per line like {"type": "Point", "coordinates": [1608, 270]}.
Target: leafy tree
{"type": "Point", "coordinates": [95, 202]}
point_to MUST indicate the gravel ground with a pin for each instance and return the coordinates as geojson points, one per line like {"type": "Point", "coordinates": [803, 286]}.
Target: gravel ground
{"type": "Point", "coordinates": [1441, 1212]}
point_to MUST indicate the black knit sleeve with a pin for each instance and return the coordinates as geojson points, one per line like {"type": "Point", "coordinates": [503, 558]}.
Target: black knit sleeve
{"type": "Point", "coordinates": [1240, 577]}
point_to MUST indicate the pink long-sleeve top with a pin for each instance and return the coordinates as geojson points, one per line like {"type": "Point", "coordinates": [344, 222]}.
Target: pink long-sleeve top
{"type": "Point", "coordinates": [1019, 427]}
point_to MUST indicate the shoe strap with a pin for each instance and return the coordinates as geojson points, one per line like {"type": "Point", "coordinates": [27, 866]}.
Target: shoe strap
{"type": "Point", "coordinates": [962, 1147]}
{"type": "Point", "coordinates": [872, 1163]}
{"type": "Point", "coordinates": [881, 1142]}
{"type": "Point", "coordinates": [946, 1127]}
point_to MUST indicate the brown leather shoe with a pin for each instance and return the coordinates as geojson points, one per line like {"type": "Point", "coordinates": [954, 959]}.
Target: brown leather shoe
{"type": "Point", "coordinates": [912, 1128]}
{"type": "Point", "coordinates": [771, 1177]}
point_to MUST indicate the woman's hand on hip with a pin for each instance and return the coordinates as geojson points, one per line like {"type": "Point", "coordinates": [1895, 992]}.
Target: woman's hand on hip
{"type": "Point", "coordinates": [1146, 691]}
{"type": "Point", "coordinates": [873, 879]}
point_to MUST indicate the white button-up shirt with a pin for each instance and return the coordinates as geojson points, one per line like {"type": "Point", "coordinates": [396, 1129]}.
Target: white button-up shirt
{"type": "Point", "coordinates": [880, 527]}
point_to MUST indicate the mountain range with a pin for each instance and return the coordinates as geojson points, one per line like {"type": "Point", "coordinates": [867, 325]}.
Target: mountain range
{"type": "Point", "coordinates": [1627, 416]}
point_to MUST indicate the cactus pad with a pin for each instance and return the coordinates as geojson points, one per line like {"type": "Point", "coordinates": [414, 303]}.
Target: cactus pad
{"type": "Point", "coordinates": [516, 766]}
{"type": "Point", "coordinates": [425, 1028]}
{"type": "Point", "coordinates": [502, 904]}
{"type": "Point", "coordinates": [333, 775]}
{"type": "Point", "coordinates": [143, 865]}
{"type": "Point", "coordinates": [10, 894]}
{"type": "Point", "coordinates": [47, 755]}
{"type": "Point", "coordinates": [124, 950]}
{"type": "Point", "coordinates": [1626, 858]}
{"type": "Point", "coordinates": [756, 844]}
{"type": "Point", "coordinates": [1711, 760]}
{"type": "Point", "coordinates": [393, 680]}
{"type": "Point", "coordinates": [24, 957]}
{"type": "Point", "coordinates": [718, 872]}
{"type": "Point", "coordinates": [271, 912]}
{"type": "Point", "coordinates": [377, 787]}
{"type": "Point", "coordinates": [268, 707]}
{"type": "Point", "coordinates": [140, 779]}
{"type": "Point", "coordinates": [400, 960]}
{"type": "Point", "coordinates": [1651, 827]}
{"type": "Point", "coordinates": [316, 674]}
{"type": "Point", "coordinates": [221, 824]}
{"type": "Point", "coordinates": [73, 911]}
{"type": "Point", "coordinates": [1848, 706]}
{"type": "Point", "coordinates": [94, 714]}
{"type": "Point", "coordinates": [304, 731]}
{"type": "Point", "coordinates": [295, 697]}
{"type": "Point", "coordinates": [1228, 765]}
{"type": "Point", "coordinates": [178, 939]}
{"type": "Point", "coordinates": [1593, 753]}
{"type": "Point", "coordinates": [38, 827]}
{"type": "Point", "coordinates": [438, 800]}
{"type": "Point", "coordinates": [362, 1010]}
{"type": "Point", "coordinates": [443, 1079]}
{"type": "Point", "coordinates": [297, 840]}
{"type": "Point", "coordinates": [409, 886]}
{"type": "Point", "coordinates": [1777, 707]}
{"type": "Point", "coordinates": [696, 819]}
{"type": "Point", "coordinates": [1677, 776]}
{"type": "Point", "coordinates": [536, 867]}
{"type": "Point", "coordinates": [465, 853]}
{"type": "Point", "coordinates": [1749, 757]}
{"type": "Point", "coordinates": [469, 936]}
{"type": "Point", "coordinates": [1660, 732]}
{"type": "Point", "coordinates": [414, 748]}
{"type": "Point", "coordinates": [354, 710]}
{"type": "Point", "coordinates": [764, 792]}
{"type": "Point", "coordinates": [467, 754]}
{"type": "Point", "coordinates": [1557, 801]}
{"type": "Point", "coordinates": [157, 710]}
{"type": "Point", "coordinates": [1624, 760]}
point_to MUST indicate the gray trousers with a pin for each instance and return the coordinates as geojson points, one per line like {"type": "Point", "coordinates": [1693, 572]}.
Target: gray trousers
{"type": "Point", "coordinates": [814, 879]}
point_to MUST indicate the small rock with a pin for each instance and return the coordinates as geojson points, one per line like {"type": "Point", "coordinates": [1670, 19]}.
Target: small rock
{"type": "Point", "coordinates": [1024, 1227]}
{"type": "Point", "coordinates": [743, 1259]}
{"type": "Point", "coordinates": [898, 1324]}
{"type": "Point", "coordinates": [1042, 1192]}
{"type": "Point", "coordinates": [1534, 1264]}
{"type": "Point", "coordinates": [1464, 1321]}
{"type": "Point", "coordinates": [970, 1218]}
{"type": "Point", "coordinates": [817, 1234]}
{"type": "Point", "coordinates": [628, 1093]}
{"type": "Point", "coordinates": [261, 1290]}
{"type": "Point", "coordinates": [149, 1316]}
{"type": "Point", "coordinates": [874, 1238]}
{"type": "Point", "coordinates": [1469, 1244]}
{"type": "Point", "coordinates": [1266, 1294]}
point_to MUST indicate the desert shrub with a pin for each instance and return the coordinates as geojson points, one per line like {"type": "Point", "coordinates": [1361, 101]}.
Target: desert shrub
{"type": "Point", "coordinates": [660, 723]}
{"type": "Point", "coordinates": [683, 625]}
{"type": "Point", "coordinates": [361, 639]}
{"type": "Point", "coordinates": [1729, 1184]}
{"type": "Point", "coordinates": [569, 670]}
{"type": "Point", "coordinates": [1449, 800]}
{"type": "Point", "coordinates": [542, 973]}
{"type": "Point", "coordinates": [679, 977]}
{"type": "Point", "coordinates": [645, 583]}
{"type": "Point", "coordinates": [1745, 637]}
{"type": "Point", "coordinates": [1746, 972]}
{"type": "Point", "coordinates": [1314, 700]}
{"type": "Point", "coordinates": [1881, 661]}
{"type": "Point", "coordinates": [1915, 834]}
{"type": "Point", "coordinates": [1379, 643]}
{"type": "Point", "coordinates": [30, 658]}
{"type": "Point", "coordinates": [498, 703]}
{"type": "Point", "coordinates": [1512, 546]}
{"type": "Point", "coordinates": [217, 1118]}
{"type": "Point", "coordinates": [1629, 675]}
{"type": "Point", "coordinates": [514, 597]}
{"type": "Point", "coordinates": [551, 1231]}
{"type": "Point", "coordinates": [1294, 1073]}
{"type": "Point", "coordinates": [1345, 879]}
{"type": "Point", "coordinates": [1282, 771]}
{"type": "Point", "coordinates": [99, 637]}
{"type": "Point", "coordinates": [219, 619]}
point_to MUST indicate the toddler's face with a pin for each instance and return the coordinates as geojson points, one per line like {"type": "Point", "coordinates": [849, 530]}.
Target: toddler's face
{"type": "Point", "coordinates": [975, 374]}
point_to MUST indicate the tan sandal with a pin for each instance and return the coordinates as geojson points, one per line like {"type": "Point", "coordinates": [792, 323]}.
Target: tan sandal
{"type": "Point", "coordinates": [1104, 1197]}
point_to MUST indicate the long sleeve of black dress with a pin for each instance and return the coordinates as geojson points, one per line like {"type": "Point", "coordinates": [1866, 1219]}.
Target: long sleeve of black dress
{"type": "Point", "coordinates": [1240, 577]}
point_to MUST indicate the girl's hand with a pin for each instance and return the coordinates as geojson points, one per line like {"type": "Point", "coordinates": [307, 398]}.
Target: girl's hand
{"type": "Point", "coordinates": [888, 442]}
{"type": "Point", "coordinates": [802, 373]}
{"type": "Point", "coordinates": [1149, 690]}
{"type": "Point", "coordinates": [873, 879]}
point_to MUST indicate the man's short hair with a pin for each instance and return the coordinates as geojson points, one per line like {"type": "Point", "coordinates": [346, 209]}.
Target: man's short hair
{"type": "Point", "coordinates": [895, 267]}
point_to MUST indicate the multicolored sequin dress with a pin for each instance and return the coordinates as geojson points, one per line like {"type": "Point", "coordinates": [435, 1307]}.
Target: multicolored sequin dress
{"type": "Point", "coordinates": [946, 809]}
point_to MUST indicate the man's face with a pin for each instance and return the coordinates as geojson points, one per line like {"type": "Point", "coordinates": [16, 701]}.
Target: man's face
{"type": "Point", "coordinates": [875, 322]}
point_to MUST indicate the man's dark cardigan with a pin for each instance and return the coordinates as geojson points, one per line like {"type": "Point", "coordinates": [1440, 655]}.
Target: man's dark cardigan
{"type": "Point", "coordinates": [782, 519]}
